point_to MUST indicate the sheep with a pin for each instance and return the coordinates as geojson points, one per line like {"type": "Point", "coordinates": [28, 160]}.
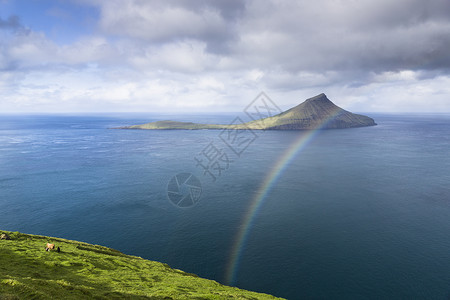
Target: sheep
{"type": "Point", "coordinates": [50, 247]}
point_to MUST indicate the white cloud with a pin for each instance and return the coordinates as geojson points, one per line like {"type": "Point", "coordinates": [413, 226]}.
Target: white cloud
{"type": "Point", "coordinates": [399, 92]}
{"type": "Point", "coordinates": [183, 57]}
{"type": "Point", "coordinates": [153, 20]}
{"type": "Point", "coordinates": [215, 55]}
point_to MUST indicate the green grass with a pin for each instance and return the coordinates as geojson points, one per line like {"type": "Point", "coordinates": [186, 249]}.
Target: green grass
{"type": "Point", "coordinates": [161, 125]}
{"type": "Point", "coordinates": [85, 271]}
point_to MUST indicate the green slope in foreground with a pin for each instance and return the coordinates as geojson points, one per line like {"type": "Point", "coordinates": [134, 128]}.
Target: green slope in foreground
{"type": "Point", "coordinates": [85, 271]}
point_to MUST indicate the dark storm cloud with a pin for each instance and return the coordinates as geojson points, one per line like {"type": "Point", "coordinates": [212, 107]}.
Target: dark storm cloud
{"type": "Point", "coordinates": [349, 35]}
{"type": "Point", "coordinates": [290, 37]}
{"type": "Point", "coordinates": [229, 9]}
{"type": "Point", "coordinates": [409, 34]}
{"type": "Point", "coordinates": [162, 22]}
{"type": "Point", "coordinates": [296, 35]}
{"type": "Point", "coordinates": [222, 41]}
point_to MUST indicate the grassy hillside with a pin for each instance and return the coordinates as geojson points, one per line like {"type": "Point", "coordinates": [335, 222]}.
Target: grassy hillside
{"type": "Point", "coordinates": [84, 271]}
{"type": "Point", "coordinates": [176, 125]}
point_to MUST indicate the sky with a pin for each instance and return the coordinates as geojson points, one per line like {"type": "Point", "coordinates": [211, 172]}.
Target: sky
{"type": "Point", "coordinates": [195, 56]}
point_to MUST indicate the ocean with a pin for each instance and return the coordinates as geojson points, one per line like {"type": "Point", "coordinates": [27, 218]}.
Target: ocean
{"type": "Point", "coordinates": [360, 213]}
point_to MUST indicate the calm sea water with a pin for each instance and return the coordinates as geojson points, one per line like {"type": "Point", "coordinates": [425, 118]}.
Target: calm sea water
{"type": "Point", "coordinates": [358, 214]}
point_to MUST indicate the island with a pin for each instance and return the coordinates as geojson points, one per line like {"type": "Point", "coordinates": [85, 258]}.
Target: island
{"type": "Point", "coordinates": [314, 113]}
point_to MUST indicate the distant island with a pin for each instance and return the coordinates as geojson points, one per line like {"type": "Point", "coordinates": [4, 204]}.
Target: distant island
{"type": "Point", "coordinates": [314, 113]}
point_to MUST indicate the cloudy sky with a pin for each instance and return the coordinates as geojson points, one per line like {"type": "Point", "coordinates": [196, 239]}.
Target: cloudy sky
{"type": "Point", "coordinates": [217, 55]}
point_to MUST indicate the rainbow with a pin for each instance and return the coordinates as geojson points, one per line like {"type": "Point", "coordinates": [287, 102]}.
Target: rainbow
{"type": "Point", "coordinates": [270, 180]}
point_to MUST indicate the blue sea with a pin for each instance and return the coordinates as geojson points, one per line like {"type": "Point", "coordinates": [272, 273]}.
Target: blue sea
{"type": "Point", "coordinates": [359, 213]}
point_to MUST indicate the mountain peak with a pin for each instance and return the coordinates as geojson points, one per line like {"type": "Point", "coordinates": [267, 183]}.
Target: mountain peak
{"type": "Point", "coordinates": [320, 97]}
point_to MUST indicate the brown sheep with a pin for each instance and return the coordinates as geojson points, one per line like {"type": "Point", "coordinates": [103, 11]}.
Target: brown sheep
{"type": "Point", "coordinates": [50, 247]}
{"type": "Point", "coordinates": [4, 237]}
